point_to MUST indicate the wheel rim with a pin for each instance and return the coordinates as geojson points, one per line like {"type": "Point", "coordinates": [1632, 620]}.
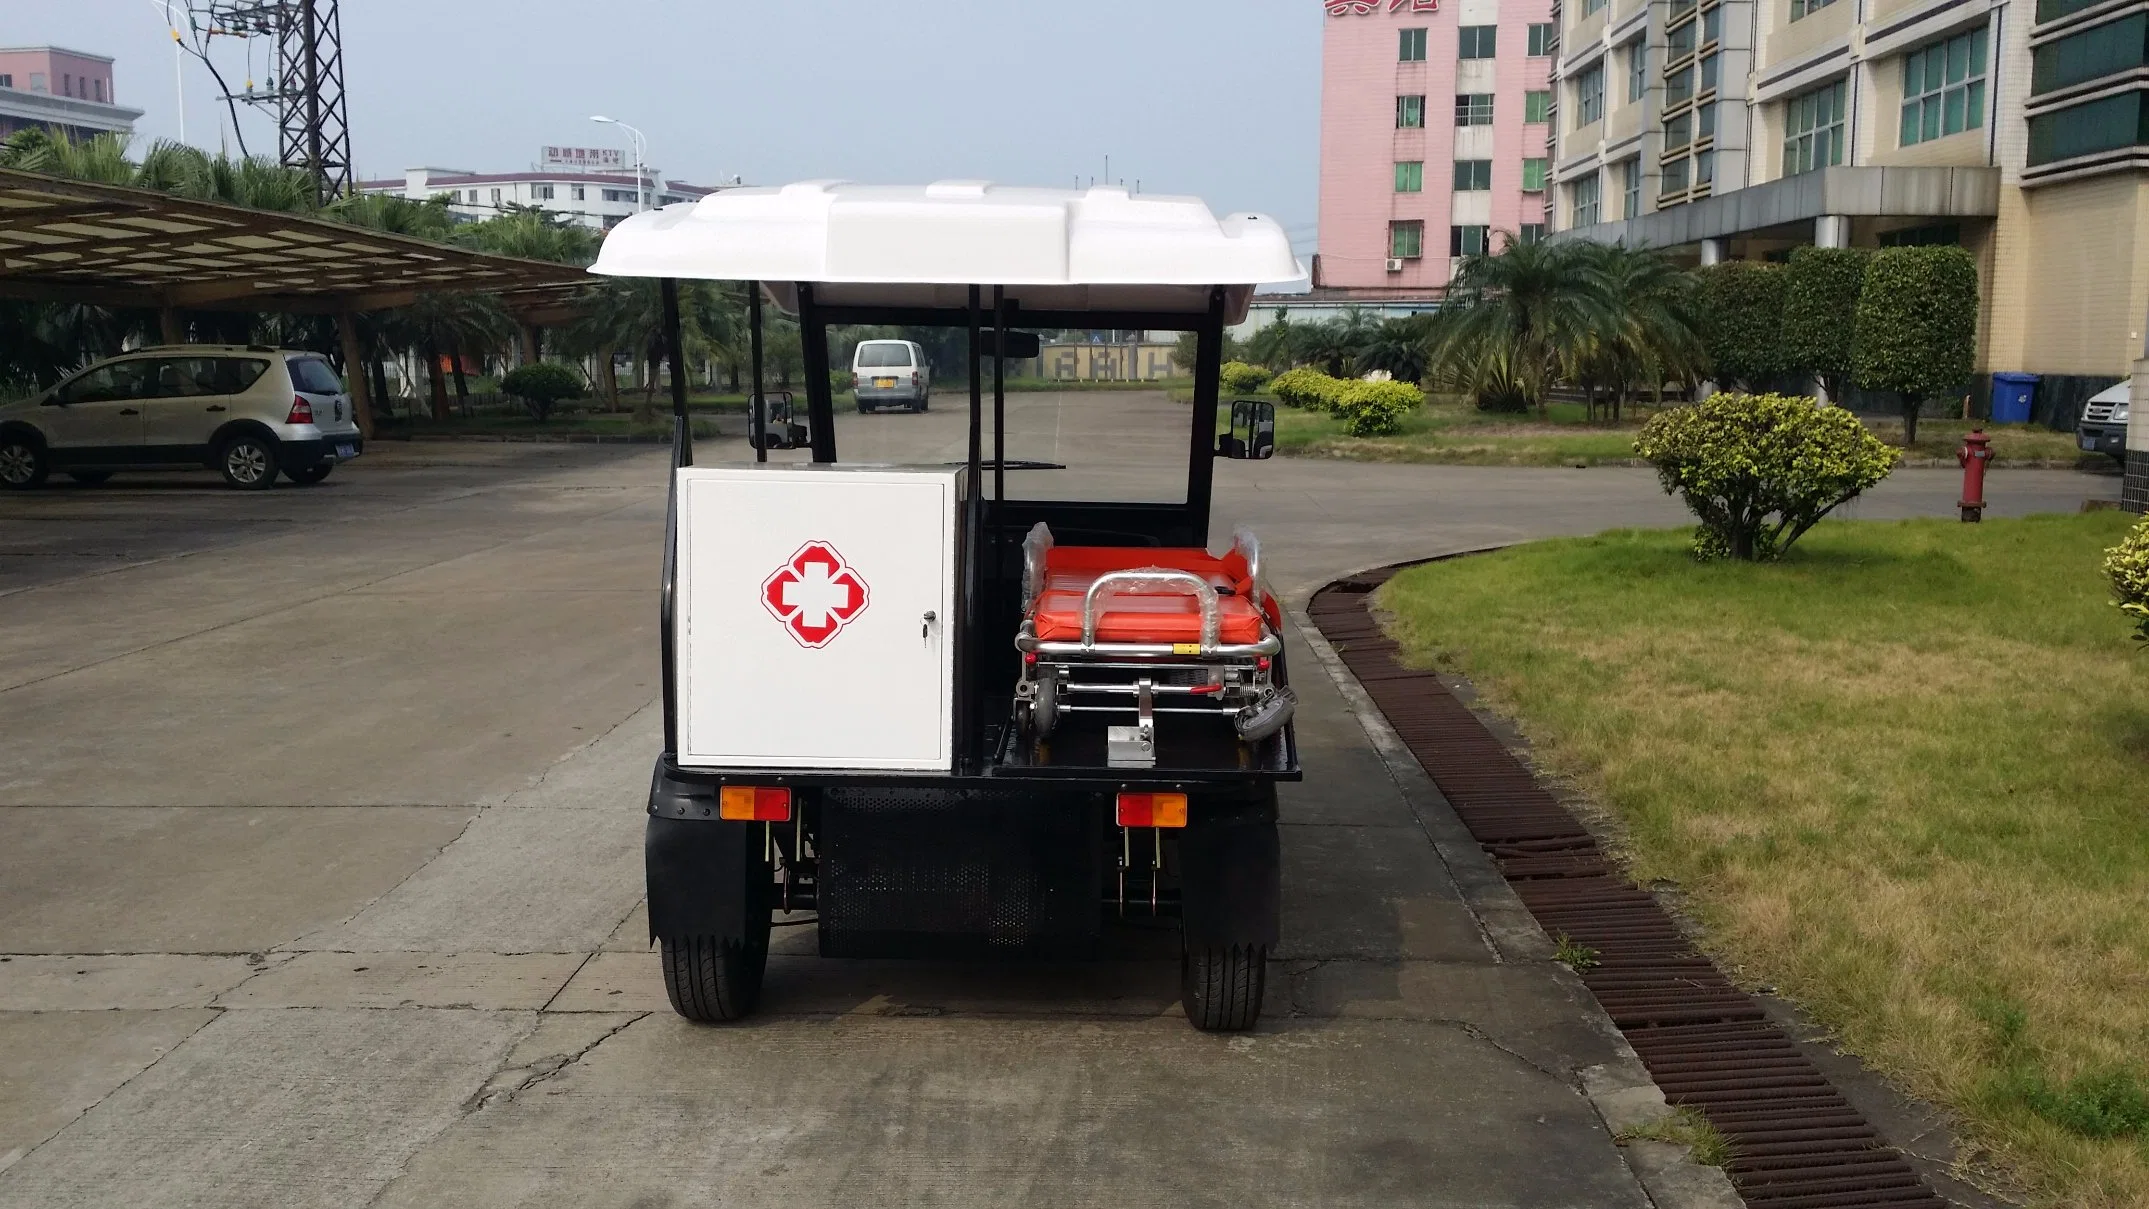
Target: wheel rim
{"type": "Point", "coordinates": [17, 464]}
{"type": "Point", "coordinates": [246, 462]}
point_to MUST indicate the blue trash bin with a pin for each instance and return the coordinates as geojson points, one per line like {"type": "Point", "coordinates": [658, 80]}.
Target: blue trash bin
{"type": "Point", "coordinates": [2011, 395]}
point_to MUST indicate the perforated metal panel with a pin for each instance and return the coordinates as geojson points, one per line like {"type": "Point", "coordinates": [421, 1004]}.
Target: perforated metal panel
{"type": "Point", "coordinates": [909, 873]}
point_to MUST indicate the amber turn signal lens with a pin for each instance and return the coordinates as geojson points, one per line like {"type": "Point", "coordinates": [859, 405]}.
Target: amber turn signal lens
{"type": "Point", "coordinates": [754, 804]}
{"type": "Point", "coordinates": [1152, 810]}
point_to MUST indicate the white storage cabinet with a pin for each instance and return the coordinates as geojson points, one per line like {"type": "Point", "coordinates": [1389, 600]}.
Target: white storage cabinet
{"type": "Point", "coordinates": [815, 616]}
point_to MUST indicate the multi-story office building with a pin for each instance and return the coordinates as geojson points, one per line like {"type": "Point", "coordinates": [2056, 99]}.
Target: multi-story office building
{"type": "Point", "coordinates": [1433, 131]}
{"type": "Point", "coordinates": [2017, 129]}
{"type": "Point", "coordinates": [590, 187]}
{"type": "Point", "coordinates": [65, 91]}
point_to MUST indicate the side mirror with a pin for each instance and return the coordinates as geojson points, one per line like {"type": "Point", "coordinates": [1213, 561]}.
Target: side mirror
{"type": "Point", "coordinates": [778, 429]}
{"type": "Point", "coordinates": [1252, 437]}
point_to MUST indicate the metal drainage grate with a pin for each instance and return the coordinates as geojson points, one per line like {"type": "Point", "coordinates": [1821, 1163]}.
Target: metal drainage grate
{"type": "Point", "coordinates": [1796, 1142]}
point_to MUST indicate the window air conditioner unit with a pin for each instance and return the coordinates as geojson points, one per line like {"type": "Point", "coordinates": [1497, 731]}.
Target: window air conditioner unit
{"type": "Point", "coordinates": [1395, 264]}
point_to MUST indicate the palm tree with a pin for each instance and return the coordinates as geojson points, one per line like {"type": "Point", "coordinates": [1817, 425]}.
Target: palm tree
{"type": "Point", "coordinates": [1653, 334]}
{"type": "Point", "coordinates": [1517, 322]}
{"type": "Point", "coordinates": [1271, 346]}
{"type": "Point", "coordinates": [1399, 346]}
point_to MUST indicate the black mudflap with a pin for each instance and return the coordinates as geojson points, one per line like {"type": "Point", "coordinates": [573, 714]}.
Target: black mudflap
{"type": "Point", "coordinates": [1231, 882]}
{"type": "Point", "coordinates": [927, 873]}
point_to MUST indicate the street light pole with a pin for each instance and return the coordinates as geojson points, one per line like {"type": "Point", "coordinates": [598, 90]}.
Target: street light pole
{"type": "Point", "coordinates": [640, 146]}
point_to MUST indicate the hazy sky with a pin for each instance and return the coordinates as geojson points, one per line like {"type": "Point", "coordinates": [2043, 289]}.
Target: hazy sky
{"type": "Point", "coordinates": [1219, 99]}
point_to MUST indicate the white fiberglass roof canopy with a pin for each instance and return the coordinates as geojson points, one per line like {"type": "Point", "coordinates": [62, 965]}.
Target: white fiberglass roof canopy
{"type": "Point", "coordinates": [1059, 250]}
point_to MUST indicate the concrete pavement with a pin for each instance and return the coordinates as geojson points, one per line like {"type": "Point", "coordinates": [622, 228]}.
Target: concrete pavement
{"type": "Point", "coordinates": [320, 821]}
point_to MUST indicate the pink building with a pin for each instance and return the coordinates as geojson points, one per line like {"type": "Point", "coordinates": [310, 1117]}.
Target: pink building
{"type": "Point", "coordinates": [63, 90]}
{"type": "Point", "coordinates": [1434, 119]}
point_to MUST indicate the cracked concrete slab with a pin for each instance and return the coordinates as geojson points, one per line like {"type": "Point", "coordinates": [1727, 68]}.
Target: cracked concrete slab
{"type": "Point", "coordinates": [280, 1110]}
{"type": "Point", "coordinates": [869, 1110]}
{"type": "Point", "coordinates": [1372, 892]}
{"type": "Point", "coordinates": [54, 1066]}
{"type": "Point", "coordinates": [101, 982]}
{"type": "Point", "coordinates": [485, 981]}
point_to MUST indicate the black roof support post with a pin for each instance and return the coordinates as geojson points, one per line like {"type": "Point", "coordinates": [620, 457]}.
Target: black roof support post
{"type": "Point", "coordinates": [968, 740]}
{"type": "Point", "coordinates": [1201, 456]}
{"type": "Point", "coordinates": [675, 351]}
{"type": "Point", "coordinates": [820, 401]}
{"type": "Point", "coordinates": [756, 406]}
{"type": "Point", "coordinates": [682, 455]}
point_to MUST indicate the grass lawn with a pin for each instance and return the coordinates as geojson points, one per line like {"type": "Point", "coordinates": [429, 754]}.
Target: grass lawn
{"type": "Point", "coordinates": [1902, 776]}
{"type": "Point", "coordinates": [1449, 430]}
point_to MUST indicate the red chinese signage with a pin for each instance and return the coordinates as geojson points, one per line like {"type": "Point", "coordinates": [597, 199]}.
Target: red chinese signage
{"type": "Point", "coordinates": [1365, 8]}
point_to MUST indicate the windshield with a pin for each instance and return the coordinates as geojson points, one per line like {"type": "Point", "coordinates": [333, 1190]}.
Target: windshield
{"type": "Point", "coordinates": [883, 354]}
{"type": "Point", "coordinates": [314, 377]}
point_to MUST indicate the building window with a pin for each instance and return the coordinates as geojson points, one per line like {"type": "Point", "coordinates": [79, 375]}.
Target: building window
{"type": "Point", "coordinates": [100, 91]}
{"type": "Point", "coordinates": [1542, 39]}
{"type": "Point", "coordinates": [1709, 69]}
{"type": "Point", "coordinates": [1413, 48]}
{"type": "Point", "coordinates": [1705, 123]}
{"type": "Point", "coordinates": [1582, 198]}
{"type": "Point", "coordinates": [575, 192]}
{"type": "Point", "coordinates": [1472, 175]}
{"type": "Point", "coordinates": [1406, 240]}
{"type": "Point", "coordinates": [619, 195]}
{"type": "Point", "coordinates": [1477, 41]}
{"type": "Point", "coordinates": [1410, 176]}
{"type": "Point", "coordinates": [544, 192]}
{"type": "Point", "coordinates": [1409, 113]}
{"type": "Point", "coordinates": [1704, 167]}
{"type": "Point", "coordinates": [1469, 241]}
{"type": "Point", "coordinates": [1944, 88]}
{"type": "Point", "coordinates": [6, 80]}
{"type": "Point", "coordinates": [1813, 129]}
{"type": "Point", "coordinates": [1537, 106]}
{"type": "Point", "coordinates": [473, 197]}
{"type": "Point", "coordinates": [2103, 50]}
{"type": "Point", "coordinates": [1532, 232]}
{"type": "Point", "coordinates": [1681, 42]}
{"type": "Point", "coordinates": [496, 197]}
{"type": "Point", "coordinates": [1589, 95]}
{"type": "Point", "coordinates": [1945, 233]}
{"type": "Point", "coordinates": [1712, 26]}
{"type": "Point", "coordinates": [1637, 69]}
{"type": "Point", "coordinates": [37, 82]}
{"type": "Point", "coordinates": [1678, 131]}
{"type": "Point", "coordinates": [1630, 182]}
{"type": "Point", "coordinates": [1590, 6]}
{"type": "Point", "coordinates": [1800, 8]}
{"type": "Point", "coordinates": [2106, 124]}
{"type": "Point", "coordinates": [1679, 86]}
{"type": "Point", "coordinates": [1675, 175]}
{"type": "Point", "coordinates": [1473, 109]}
{"type": "Point", "coordinates": [1533, 175]}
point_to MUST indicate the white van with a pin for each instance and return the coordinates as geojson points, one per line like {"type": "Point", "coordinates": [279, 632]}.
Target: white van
{"type": "Point", "coordinates": [891, 373]}
{"type": "Point", "coordinates": [2103, 427]}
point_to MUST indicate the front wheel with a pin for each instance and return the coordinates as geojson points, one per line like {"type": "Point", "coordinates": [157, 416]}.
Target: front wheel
{"type": "Point", "coordinates": [311, 474]}
{"type": "Point", "coordinates": [248, 462]}
{"type": "Point", "coordinates": [23, 464]}
{"type": "Point", "coordinates": [1220, 986]}
{"type": "Point", "coordinates": [713, 980]}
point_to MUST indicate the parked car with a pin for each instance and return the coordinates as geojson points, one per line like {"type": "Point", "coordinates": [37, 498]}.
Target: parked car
{"type": "Point", "coordinates": [250, 412]}
{"type": "Point", "coordinates": [2103, 427]}
{"type": "Point", "coordinates": [891, 373]}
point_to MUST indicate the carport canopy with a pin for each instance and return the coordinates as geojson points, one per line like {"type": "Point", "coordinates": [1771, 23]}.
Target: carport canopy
{"type": "Point", "coordinates": [109, 245]}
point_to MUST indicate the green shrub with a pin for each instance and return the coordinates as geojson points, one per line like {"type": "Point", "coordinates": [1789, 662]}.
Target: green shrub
{"type": "Point", "coordinates": [1376, 409]}
{"type": "Point", "coordinates": [1307, 388]}
{"type": "Point", "coordinates": [1760, 470]}
{"type": "Point", "coordinates": [2128, 565]}
{"type": "Point", "coordinates": [1820, 294]}
{"type": "Point", "coordinates": [1741, 303]}
{"type": "Point", "coordinates": [1242, 379]}
{"type": "Point", "coordinates": [541, 385]}
{"type": "Point", "coordinates": [1916, 330]}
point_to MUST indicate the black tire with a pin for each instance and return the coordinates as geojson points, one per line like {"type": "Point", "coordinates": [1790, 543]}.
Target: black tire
{"type": "Point", "coordinates": [89, 478]}
{"type": "Point", "coordinates": [23, 464]}
{"type": "Point", "coordinates": [713, 981]}
{"type": "Point", "coordinates": [863, 409]}
{"type": "Point", "coordinates": [248, 461]}
{"type": "Point", "coordinates": [311, 474]}
{"type": "Point", "coordinates": [1220, 986]}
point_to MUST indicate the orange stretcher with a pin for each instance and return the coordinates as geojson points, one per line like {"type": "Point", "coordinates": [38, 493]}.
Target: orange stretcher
{"type": "Point", "coordinates": [1132, 624]}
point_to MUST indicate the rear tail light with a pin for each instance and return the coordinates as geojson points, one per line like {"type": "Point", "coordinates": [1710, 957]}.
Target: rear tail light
{"type": "Point", "coordinates": [301, 411]}
{"type": "Point", "coordinates": [1152, 810]}
{"type": "Point", "coordinates": [915, 379]}
{"type": "Point", "coordinates": [754, 804]}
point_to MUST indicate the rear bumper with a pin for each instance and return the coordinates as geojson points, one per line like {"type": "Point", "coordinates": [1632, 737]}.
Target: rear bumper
{"type": "Point", "coordinates": [312, 451]}
{"type": "Point", "coordinates": [890, 394]}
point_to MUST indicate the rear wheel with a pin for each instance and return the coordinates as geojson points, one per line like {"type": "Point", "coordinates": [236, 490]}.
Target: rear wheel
{"type": "Point", "coordinates": [711, 979]}
{"type": "Point", "coordinates": [23, 463]}
{"type": "Point", "coordinates": [89, 478]}
{"type": "Point", "coordinates": [311, 474]}
{"type": "Point", "coordinates": [248, 462]}
{"type": "Point", "coordinates": [1220, 986]}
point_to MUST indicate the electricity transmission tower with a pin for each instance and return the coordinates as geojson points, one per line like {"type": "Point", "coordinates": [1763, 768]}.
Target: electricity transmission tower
{"type": "Point", "coordinates": [305, 91]}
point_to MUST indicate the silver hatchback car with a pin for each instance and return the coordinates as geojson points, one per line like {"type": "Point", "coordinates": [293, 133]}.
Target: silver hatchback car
{"type": "Point", "coordinates": [248, 411]}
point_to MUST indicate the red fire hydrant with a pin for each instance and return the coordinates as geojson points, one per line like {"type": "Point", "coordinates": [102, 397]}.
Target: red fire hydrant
{"type": "Point", "coordinates": [1975, 452]}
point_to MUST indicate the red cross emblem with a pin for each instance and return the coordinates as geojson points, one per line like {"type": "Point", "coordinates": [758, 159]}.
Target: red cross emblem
{"type": "Point", "coordinates": [815, 594]}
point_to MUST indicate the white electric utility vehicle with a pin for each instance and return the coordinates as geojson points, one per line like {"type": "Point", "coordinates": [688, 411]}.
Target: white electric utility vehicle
{"type": "Point", "coordinates": [946, 719]}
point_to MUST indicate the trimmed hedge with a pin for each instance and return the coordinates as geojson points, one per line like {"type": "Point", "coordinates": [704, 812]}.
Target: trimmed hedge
{"type": "Point", "coordinates": [1306, 388]}
{"type": "Point", "coordinates": [1376, 409]}
{"type": "Point", "coordinates": [1240, 378]}
{"type": "Point", "coordinates": [1760, 470]}
{"type": "Point", "coordinates": [541, 385]}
